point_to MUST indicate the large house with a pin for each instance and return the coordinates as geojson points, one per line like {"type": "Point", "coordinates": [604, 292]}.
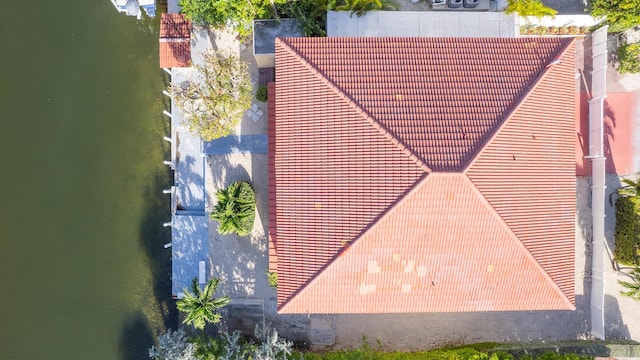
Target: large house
{"type": "Point", "coordinates": [423, 174]}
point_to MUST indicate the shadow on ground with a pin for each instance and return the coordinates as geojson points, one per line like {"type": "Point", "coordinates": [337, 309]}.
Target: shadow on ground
{"type": "Point", "coordinates": [136, 338]}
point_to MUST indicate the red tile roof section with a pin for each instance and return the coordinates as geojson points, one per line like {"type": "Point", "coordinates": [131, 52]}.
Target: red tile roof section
{"type": "Point", "coordinates": [174, 26]}
{"type": "Point", "coordinates": [457, 91]}
{"type": "Point", "coordinates": [271, 135]}
{"type": "Point", "coordinates": [175, 43]}
{"type": "Point", "coordinates": [462, 257]}
{"type": "Point", "coordinates": [527, 172]}
{"type": "Point", "coordinates": [338, 172]}
{"type": "Point", "coordinates": [334, 174]}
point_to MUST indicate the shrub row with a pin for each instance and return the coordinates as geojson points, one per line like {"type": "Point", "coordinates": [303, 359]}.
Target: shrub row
{"type": "Point", "coordinates": [553, 30]}
{"type": "Point", "coordinates": [627, 234]}
{"type": "Point", "coordinates": [629, 57]}
{"type": "Point", "coordinates": [461, 353]}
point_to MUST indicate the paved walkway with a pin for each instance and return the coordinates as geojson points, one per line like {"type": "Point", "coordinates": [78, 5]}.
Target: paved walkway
{"type": "Point", "coordinates": [234, 144]}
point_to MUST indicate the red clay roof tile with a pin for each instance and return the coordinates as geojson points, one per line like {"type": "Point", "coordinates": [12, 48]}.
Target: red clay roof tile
{"type": "Point", "coordinates": [175, 43]}
{"type": "Point", "coordinates": [174, 26]}
{"type": "Point", "coordinates": [358, 125]}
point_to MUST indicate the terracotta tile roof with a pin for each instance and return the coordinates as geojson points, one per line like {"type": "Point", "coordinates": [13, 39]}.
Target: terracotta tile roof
{"type": "Point", "coordinates": [432, 267]}
{"type": "Point", "coordinates": [362, 132]}
{"type": "Point", "coordinates": [174, 26]}
{"type": "Point", "coordinates": [175, 43]}
{"type": "Point", "coordinates": [456, 91]}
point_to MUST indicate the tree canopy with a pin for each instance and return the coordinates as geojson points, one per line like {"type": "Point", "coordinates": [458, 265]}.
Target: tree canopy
{"type": "Point", "coordinates": [220, 13]}
{"type": "Point", "coordinates": [621, 14]}
{"type": "Point", "coordinates": [215, 100]}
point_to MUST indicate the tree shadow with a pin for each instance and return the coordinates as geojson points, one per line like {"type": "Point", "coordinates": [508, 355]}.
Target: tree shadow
{"type": "Point", "coordinates": [136, 338]}
{"type": "Point", "coordinates": [615, 327]}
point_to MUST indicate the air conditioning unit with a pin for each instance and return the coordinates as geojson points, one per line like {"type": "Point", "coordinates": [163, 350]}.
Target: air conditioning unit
{"type": "Point", "coordinates": [454, 3]}
{"type": "Point", "coordinates": [470, 4]}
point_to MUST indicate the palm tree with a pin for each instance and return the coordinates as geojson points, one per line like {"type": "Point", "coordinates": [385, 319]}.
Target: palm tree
{"type": "Point", "coordinates": [236, 209]}
{"type": "Point", "coordinates": [529, 8]}
{"type": "Point", "coordinates": [634, 285]}
{"type": "Point", "coordinates": [199, 306]}
{"type": "Point", "coordinates": [631, 188]}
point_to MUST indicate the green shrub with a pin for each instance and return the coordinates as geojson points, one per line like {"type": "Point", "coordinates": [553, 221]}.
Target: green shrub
{"type": "Point", "coordinates": [262, 93]}
{"type": "Point", "coordinates": [627, 236]}
{"type": "Point", "coordinates": [529, 8]}
{"type": "Point", "coordinates": [629, 57]}
{"type": "Point", "coordinates": [220, 13]}
{"type": "Point", "coordinates": [272, 277]}
{"type": "Point", "coordinates": [236, 209]}
{"type": "Point", "coordinates": [310, 14]}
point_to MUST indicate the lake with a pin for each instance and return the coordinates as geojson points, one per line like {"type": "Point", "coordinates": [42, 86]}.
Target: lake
{"type": "Point", "coordinates": [83, 271]}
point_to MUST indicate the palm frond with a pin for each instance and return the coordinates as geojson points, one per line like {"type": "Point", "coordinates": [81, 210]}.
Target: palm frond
{"type": "Point", "coordinates": [200, 306]}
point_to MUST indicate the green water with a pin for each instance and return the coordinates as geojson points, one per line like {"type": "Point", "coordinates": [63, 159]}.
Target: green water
{"type": "Point", "coordinates": [83, 274]}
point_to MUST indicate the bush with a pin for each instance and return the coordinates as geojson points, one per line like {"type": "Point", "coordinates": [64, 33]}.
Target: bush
{"type": "Point", "coordinates": [529, 8]}
{"type": "Point", "coordinates": [262, 93]}
{"type": "Point", "coordinates": [232, 346]}
{"type": "Point", "coordinates": [310, 14]}
{"type": "Point", "coordinates": [236, 209]}
{"type": "Point", "coordinates": [627, 234]}
{"type": "Point", "coordinates": [272, 278]}
{"type": "Point", "coordinates": [629, 57]}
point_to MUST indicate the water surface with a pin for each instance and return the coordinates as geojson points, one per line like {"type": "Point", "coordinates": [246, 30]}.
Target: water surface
{"type": "Point", "coordinates": [83, 274]}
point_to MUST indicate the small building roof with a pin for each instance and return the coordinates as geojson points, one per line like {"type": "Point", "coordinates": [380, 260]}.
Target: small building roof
{"type": "Point", "coordinates": [423, 174]}
{"type": "Point", "coordinates": [266, 31]}
{"type": "Point", "coordinates": [175, 41]}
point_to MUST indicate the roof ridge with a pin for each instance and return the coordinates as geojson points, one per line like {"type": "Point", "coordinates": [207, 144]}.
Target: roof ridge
{"type": "Point", "coordinates": [527, 253]}
{"type": "Point", "coordinates": [419, 183]}
{"type": "Point", "coordinates": [356, 239]}
{"type": "Point", "coordinates": [520, 101]}
{"type": "Point", "coordinates": [352, 102]}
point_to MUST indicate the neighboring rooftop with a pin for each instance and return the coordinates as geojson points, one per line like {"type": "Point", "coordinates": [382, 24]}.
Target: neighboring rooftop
{"type": "Point", "coordinates": [423, 174]}
{"type": "Point", "coordinates": [265, 33]}
{"type": "Point", "coordinates": [175, 41]}
{"type": "Point", "coordinates": [422, 24]}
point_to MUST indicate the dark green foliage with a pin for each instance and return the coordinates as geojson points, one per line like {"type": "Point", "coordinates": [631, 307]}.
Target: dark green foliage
{"type": "Point", "coordinates": [633, 286]}
{"type": "Point", "coordinates": [440, 354]}
{"type": "Point", "coordinates": [621, 14]}
{"type": "Point", "coordinates": [629, 57]}
{"type": "Point", "coordinates": [627, 234]}
{"type": "Point", "coordinates": [311, 15]}
{"type": "Point", "coordinates": [236, 209]}
{"type": "Point", "coordinates": [262, 93]}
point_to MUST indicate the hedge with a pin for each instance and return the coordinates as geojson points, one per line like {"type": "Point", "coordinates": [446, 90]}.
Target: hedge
{"type": "Point", "coordinates": [627, 234]}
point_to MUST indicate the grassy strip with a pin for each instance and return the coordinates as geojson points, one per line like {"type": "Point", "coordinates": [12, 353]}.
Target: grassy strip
{"type": "Point", "coordinates": [472, 352]}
